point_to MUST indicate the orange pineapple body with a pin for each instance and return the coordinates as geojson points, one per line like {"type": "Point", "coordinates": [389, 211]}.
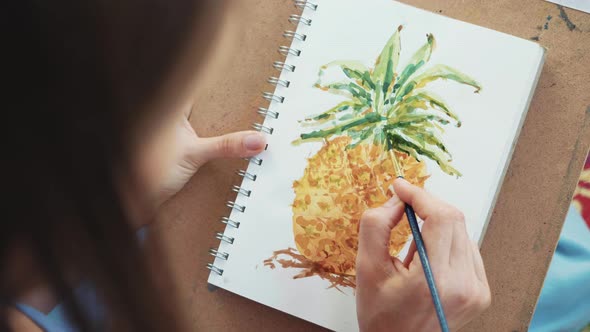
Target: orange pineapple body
{"type": "Point", "coordinates": [337, 186]}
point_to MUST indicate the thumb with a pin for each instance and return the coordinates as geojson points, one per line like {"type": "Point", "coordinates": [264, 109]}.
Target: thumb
{"type": "Point", "coordinates": [233, 145]}
{"type": "Point", "coordinates": [374, 235]}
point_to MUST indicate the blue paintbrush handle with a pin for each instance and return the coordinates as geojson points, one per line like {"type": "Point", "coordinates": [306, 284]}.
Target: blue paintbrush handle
{"type": "Point", "coordinates": [421, 249]}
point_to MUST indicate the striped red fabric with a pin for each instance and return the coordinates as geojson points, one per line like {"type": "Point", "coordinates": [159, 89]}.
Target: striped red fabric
{"type": "Point", "coordinates": [581, 198]}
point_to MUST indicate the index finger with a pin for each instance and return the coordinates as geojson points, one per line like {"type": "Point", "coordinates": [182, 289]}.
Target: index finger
{"type": "Point", "coordinates": [424, 203]}
{"type": "Point", "coordinates": [437, 231]}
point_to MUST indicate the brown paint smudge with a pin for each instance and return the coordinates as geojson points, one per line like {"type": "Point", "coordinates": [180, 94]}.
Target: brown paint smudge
{"type": "Point", "coordinates": [290, 258]}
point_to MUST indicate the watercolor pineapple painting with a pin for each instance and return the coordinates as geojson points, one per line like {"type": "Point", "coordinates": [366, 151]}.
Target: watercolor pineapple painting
{"type": "Point", "coordinates": [386, 108]}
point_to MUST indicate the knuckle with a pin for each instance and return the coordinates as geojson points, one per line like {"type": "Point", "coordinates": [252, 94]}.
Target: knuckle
{"type": "Point", "coordinates": [371, 216]}
{"type": "Point", "coordinates": [226, 145]}
{"type": "Point", "coordinates": [451, 214]}
{"type": "Point", "coordinates": [456, 215]}
{"type": "Point", "coordinates": [465, 297]}
{"type": "Point", "coordinates": [486, 299]}
{"type": "Point", "coordinates": [459, 301]}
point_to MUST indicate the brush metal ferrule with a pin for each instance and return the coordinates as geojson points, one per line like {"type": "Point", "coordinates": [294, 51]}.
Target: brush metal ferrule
{"type": "Point", "coordinates": [399, 172]}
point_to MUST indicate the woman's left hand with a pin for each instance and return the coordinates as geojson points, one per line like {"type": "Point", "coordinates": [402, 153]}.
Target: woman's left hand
{"type": "Point", "coordinates": [196, 151]}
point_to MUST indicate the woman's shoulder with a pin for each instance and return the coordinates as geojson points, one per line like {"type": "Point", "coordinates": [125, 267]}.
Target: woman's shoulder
{"type": "Point", "coordinates": [18, 321]}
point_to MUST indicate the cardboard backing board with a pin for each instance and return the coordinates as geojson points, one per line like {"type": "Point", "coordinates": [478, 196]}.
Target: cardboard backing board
{"type": "Point", "coordinates": [531, 207]}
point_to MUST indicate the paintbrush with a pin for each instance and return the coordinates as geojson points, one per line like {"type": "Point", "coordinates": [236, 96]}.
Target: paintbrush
{"type": "Point", "coordinates": [421, 249]}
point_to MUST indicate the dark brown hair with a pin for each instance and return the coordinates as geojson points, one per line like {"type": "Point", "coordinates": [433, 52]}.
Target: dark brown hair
{"type": "Point", "coordinates": [81, 77]}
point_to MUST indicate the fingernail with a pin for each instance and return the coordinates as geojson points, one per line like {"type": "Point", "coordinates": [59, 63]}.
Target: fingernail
{"type": "Point", "coordinates": [400, 181]}
{"type": "Point", "coordinates": [393, 201]}
{"type": "Point", "coordinates": [254, 142]}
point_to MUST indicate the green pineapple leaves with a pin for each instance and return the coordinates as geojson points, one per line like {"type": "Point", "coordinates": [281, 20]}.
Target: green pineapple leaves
{"type": "Point", "coordinates": [346, 107]}
{"type": "Point", "coordinates": [339, 76]}
{"type": "Point", "coordinates": [388, 107]}
{"type": "Point", "coordinates": [434, 73]}
{"type": "Point", "coordinates": [423, 100]}
{"type": "Point", "coordinates": [416, 62]}
{"type": "Point", "coordinates": [387, 61]}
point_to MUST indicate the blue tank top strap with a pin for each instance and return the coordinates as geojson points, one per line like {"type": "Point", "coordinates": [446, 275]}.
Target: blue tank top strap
{"type": "Point", "coordinates": [57, 320]}
{"type": "Point", "coordinates": [45, 322]}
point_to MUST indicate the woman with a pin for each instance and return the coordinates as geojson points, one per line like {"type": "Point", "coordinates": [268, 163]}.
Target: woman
{"type": "Point", "coordinates": [98, 138]}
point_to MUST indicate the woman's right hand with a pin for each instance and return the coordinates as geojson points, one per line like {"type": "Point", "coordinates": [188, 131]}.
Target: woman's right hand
{"type": "Point", "coordinates": [393, 295]}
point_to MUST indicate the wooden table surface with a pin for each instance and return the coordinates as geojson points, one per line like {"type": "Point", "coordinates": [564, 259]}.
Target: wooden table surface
{"type": "Point", "coordinates": [529, 213]}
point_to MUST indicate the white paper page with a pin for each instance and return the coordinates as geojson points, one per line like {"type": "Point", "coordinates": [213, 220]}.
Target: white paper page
{"type": "Point", "coordinates": [582, 5]}
{"type": "Point", "coordinates": [505, 66]}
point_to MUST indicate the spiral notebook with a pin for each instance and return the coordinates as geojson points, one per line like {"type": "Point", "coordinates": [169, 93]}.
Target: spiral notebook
{"type": "Point", "coordinates": [360, 78]}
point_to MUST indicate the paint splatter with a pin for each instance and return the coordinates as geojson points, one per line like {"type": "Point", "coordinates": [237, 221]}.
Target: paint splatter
{"type": "Point", "coordinates": [563, 15]}
{"type": "Point", "coordinates": [545, 26]}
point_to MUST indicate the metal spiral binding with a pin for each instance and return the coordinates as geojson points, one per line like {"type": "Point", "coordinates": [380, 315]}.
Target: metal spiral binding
{"type": "Point", "coordinates": [285, 50]}
{"type": "Point", "coordinates": [241, 191]}
{"type": "Point", "coordinates": [218, 254]}
{"type": "Point", "coordinates": [304, 4]}
{"type": "Point", "coordinates": [235, 206]}
{"type": "Point", "coordinates": [246, 175]}
{"type": "Point", "coordinates": [227, 221]}
{"type": "Point", "coordinates": [224, 238]}
{"type": "Point", "coordinates": [265, 112]}
{"type": "Point", "coordinates": [276, 81]}
{"type": "Point", "coordinates": [262, 128]}
{"type": "Point", "coordinates": [296, 37]}
{"type": "Point", "coordinates": [296, 19]}
{"type": "Point", "coordinates": [272, 97]}
{"type": "Point", "coordinates": [254, 160]}
{"type": "Point", "coordinates": [215, 269]}
{"type": "Point", "coordinates": [280, 66]}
